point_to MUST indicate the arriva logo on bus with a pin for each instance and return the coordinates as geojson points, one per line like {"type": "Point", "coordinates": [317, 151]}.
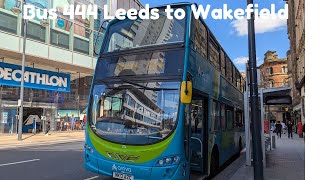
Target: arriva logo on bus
{"type": "Point", "coordinates": [34, 78]}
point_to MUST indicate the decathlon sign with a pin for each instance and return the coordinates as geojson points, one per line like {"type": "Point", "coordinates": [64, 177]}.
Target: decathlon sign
{"type": "Point", "coordinates": [10, 75]}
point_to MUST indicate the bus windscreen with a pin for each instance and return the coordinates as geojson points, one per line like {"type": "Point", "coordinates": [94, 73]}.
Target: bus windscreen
{"type": "Point", "coordinates": [128, 34]}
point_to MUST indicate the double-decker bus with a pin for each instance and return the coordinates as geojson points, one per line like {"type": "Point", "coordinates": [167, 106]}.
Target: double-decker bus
{"type": "Point", "coordinates": [166, 101]}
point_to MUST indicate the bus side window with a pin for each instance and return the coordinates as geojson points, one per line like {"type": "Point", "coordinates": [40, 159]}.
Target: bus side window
{"type": "Point", "coordinates": [199, 37]}
{"type": "Point", "coordinates": [223, 117]}
{"type": "Point", "coordinates": [213, 54]}
{"type": "Point", "coordinates": [230, 117]}
{"type": "Point", "coordinates": [216, 115]}
{"type": "Point", "coordinates": [223, 63]}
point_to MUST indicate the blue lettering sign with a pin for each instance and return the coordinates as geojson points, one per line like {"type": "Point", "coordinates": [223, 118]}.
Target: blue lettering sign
{"type": "Point", "coordinates": [11, 74]}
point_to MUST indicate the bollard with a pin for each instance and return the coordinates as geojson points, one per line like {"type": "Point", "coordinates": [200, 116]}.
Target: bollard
{"type": "Point", "coordinates": [273, 141]}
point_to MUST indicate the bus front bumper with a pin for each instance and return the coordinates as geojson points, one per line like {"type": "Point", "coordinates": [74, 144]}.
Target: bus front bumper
{"type": "Point", "coordinates": [108, 168]}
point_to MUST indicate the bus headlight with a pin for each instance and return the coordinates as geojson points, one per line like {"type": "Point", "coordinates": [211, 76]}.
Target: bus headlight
{"type": "Point", "coordinates": [168, 160]}
{"type": "Point", "coordinates": [176, 159]}
{"type": "Point", "coordinates": [87, 147]}
{"type": "Point", "coordinates": [160, 162]}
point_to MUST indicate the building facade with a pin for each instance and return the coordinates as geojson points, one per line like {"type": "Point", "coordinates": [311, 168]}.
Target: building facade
{"type": "Point", "coordinates": [62, 50]}
{"type": "Point", "coordinates": [274, 71]}
{"type": "Point", "coordinates": [274, 74]}
{"type": "Point", "coordinates": [296, 57]}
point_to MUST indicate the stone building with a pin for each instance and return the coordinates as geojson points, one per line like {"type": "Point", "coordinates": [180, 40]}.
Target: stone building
{"type": "Point", "coordinates": [273, 71]}
{"type": "Point", "coordinates": [296, 57]}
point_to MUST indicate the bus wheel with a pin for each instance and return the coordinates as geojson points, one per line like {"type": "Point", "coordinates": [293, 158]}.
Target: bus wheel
{"type": "Point", "coordinates": [214, 167]}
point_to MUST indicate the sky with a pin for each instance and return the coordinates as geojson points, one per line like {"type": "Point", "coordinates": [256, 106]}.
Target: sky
{"type": "Point", "coordinates": [232, 34]}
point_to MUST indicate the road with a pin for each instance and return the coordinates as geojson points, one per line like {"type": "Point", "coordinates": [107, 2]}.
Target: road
{"type": "Point", "coordinates": [52, 162]}
{"type": "Point", "coordinates": [60, 162]}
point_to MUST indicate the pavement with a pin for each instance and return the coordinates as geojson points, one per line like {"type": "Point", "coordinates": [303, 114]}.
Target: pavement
{"type": "Point", "coordinates": [286, 162]}
{"type": "Point", "coordinates": [11, 141]}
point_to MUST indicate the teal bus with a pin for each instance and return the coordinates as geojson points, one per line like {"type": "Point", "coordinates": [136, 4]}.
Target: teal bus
{"type": "Point", "coordinates": [166, 101]}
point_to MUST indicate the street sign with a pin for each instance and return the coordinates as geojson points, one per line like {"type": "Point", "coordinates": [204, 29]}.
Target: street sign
{"type": "Point", "coordinates": [60, 23]}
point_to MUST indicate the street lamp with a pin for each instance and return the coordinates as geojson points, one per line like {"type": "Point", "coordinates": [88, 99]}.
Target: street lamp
{"type": "Point", "coordinates": [17, 10]}
{"type": "Point", "coordinates": [254, 98]}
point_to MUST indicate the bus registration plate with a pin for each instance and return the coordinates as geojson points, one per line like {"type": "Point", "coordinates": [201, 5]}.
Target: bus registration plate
{"type": "Point", "coordinates": [123, 176]}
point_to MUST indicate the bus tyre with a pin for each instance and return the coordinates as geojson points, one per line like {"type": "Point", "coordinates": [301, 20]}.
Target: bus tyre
{"type": "Point", "coordinates": [214, 167]}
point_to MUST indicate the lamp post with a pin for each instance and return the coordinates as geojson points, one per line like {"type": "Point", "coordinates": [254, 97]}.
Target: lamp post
{"type": "Point", "coordinates": [254, 96]}
{"type": "Point", "coordinates": [17, 10]}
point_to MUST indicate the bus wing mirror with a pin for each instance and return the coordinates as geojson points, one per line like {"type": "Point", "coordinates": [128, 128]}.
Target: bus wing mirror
{"type": "Point", "coordinates": [99, 38]}
{"type": "Point", "coordinates": [186, 92]}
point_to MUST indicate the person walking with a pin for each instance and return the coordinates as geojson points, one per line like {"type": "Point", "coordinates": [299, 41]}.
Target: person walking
{"type": "Point", "coordinates": [73, 122]}
{"type": "Point", "coordinates": [47, 128]}
{"type": "Point", "coordinates": [304, 134]}
{"type": "Point", "coordinates": [84, 120]}
{"type": "Point", "coordinates": [300, 129]}
{"type": "Point", "coordinates": [66, 121]}
{"type": "Point", "coordinates": [279, 129]}
{"type": "Point", "coordinates": [290, 126]}
{"type": "Point", "coordinates": [284, 127]}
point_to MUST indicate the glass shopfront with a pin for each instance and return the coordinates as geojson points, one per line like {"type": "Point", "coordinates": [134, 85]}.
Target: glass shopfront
{"type": "Point", "coordinates": [59, 108]}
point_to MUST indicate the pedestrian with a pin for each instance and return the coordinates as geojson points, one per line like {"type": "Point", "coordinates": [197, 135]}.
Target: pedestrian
{"type": "Point", "coordinates": [284, 127]}
{"type": "Point", "coordinates": [304, 134]}
{"type": "Point", "coordinates": [47, 128]}
{"type": "Point", "coordinates": [61, 124]}
{"type": "Point", "coordinates": [273, 127]}
{"type": "Point", "coordinates": [300, 129]}
{"type": "Point", "coordinates": [73, 122]}
{"type": "Point", "coordinates": [84, 120]}
{"type": "Point", "coordinates": [66, 120]}
{"type": "Point", "coordinates": [279, 129]}
{"type": "Point", "coordinates": [290, 126]}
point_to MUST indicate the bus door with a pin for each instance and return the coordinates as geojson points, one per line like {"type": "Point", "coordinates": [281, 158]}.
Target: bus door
{"type": "Point", "coordinates": [198, 134]}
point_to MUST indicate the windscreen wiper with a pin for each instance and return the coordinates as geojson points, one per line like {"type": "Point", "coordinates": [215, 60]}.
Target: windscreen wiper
{"type": "Point", "coordinates": [139, 85]}
{"type": "Point", "coordinates": [149, 88]}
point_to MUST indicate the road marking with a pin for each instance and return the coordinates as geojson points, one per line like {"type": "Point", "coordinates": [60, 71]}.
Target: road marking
{"type": "Point", "coordinates": [94, 177]}
{"type": "Point", "coordinates": [20, 162]}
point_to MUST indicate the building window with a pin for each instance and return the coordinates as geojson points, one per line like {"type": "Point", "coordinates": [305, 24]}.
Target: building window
{"type": "Point", "coordinates": [81, 45]}
{"type": "Point", "coordinates": [285, 82]}
{"type": "Point", "coordinates": [284, 69]}
{"type": "Point", "coordinates": [59, 39]}
{"type": "Point", "coordinates": [271, 84]}
{"type": "Point", "coordinates": [35, 31]}
{"type": "Point", "coordinates": [8, 23]}
{"type": "Point", "coordinates": [270, 70]}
